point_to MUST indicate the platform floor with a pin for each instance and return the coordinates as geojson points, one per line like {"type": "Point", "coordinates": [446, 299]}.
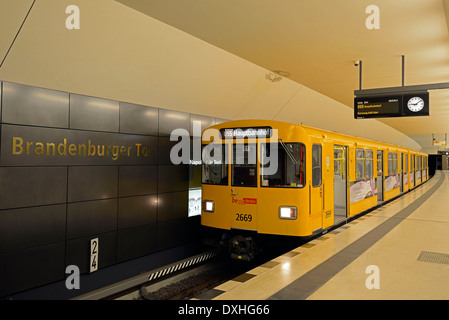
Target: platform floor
{"type": "Point", "coordinates": [398, 251]}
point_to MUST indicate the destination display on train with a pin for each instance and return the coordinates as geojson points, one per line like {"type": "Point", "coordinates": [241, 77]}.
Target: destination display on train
{"type": "Point", "coordinates": [242, 133]}
{"type": "Point", "coordinates": [399, 105]}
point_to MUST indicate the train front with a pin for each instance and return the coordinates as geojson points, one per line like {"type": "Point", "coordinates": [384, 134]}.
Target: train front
{"type": "Point", "coordinates": [253, 182]}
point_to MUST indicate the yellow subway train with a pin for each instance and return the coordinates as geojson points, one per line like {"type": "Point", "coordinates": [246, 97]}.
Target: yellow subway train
{"type": "Point", "coordinates": [276, 178]}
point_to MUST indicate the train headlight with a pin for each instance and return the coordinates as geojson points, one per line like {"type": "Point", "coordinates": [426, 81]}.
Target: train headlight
{"type": "Point", "coordinates": [288, 213]}
{"type": "Point", "coordinates": [208, 206]}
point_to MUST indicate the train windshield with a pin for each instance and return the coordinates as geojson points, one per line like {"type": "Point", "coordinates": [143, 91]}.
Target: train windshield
{"type": "Point", "coordinates": [244, 165]}
{"type": "Point", "coordinates": [283, 165]}
{"type": "Point", "coordinates": [215, 168]}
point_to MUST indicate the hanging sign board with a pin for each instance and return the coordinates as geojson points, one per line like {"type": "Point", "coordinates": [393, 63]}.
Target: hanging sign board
{"type": "Point", "coordinates": [398, 105]}
{"type": "Point", "coordinates": [377, 107]}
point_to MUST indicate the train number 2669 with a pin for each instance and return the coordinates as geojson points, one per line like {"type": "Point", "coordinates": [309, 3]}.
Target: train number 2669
{"type": "Point", "coordinates": [243, 217]}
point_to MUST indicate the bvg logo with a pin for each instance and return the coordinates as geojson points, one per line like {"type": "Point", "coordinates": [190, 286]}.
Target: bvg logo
{"type": "Point", "coordinates": [244, 201]}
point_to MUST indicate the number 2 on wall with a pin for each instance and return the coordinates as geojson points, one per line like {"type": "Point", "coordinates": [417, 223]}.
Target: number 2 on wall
{"type": "Point", "coordinates": [94, 255]}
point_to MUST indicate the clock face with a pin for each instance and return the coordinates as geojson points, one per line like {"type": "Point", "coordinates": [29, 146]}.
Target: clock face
{"type": "Point", "coordinates": [415, 104]}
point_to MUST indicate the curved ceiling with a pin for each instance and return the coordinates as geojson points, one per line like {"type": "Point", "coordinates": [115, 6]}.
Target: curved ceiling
{"type": "Point", "coordinates": [317, 42]}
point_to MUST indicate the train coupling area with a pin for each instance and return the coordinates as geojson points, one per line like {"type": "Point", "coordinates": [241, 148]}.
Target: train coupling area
{"type": "Point", "coordinates": [243, 248]}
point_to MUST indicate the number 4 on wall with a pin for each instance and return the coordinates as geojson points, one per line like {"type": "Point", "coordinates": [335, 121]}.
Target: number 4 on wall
{"type": "Point", "coordinates": [94, 254]}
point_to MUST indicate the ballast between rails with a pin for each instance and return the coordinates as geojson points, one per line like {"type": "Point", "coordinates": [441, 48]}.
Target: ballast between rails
{"type": "Point", "coordinates": [149, 277]}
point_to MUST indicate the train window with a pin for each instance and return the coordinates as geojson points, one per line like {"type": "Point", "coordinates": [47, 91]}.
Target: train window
{"type": "Point", "coordinates": [340, 162]}
{"type": "Point", "coordinates": [359, 164]}
{"type": "Point", "coordinates": [244, 165]}
{"type": "Point", "coordinates": [283, 165]}
{"type": "Point", "coordinates": [369, 163]}
{"type": "Point", "coordinates": [392, 163]}
{"type": "Point", "coordinates": [395, 163]}
{"type": "Point", "coordinates": [316, 165]}
{"type": "Point", "coordinates": [406, 163]}
{"type": "Point", "coordinates": [379, 163]}
{"type": "Point", "coordinates": [215, 167]}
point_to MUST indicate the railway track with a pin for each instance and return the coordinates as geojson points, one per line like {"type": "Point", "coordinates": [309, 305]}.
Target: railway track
{"type": "Point", "coordinates": [131, 285]}
{"type": "Point", "coordinates": [184, 279]}
{"type": "Point", "coordinates": [193, 282]}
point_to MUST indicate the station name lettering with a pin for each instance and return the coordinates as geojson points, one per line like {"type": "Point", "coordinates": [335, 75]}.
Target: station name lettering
{"type": "Point", "coordinates": [64, 148]}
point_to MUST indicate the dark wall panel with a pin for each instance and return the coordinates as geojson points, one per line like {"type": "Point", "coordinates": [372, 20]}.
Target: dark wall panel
{"type": "Point", "coordinates": [34, 226]}
{"type": "Point", "coordinates": [92, 183]}
{"type": "Point", "coordinates": [176, 232]}
{"type": "Point", "coordinates": [172, 205]}
{"type": "Point", "coordinates": [31, 267]}
{"type": "Point", "coordinates": [88, 113]}
{"type": "Point", "coordinates": [206, 122]}
{"type": "Point", "coordinates": [32, 186]}
{"type": "Point", "coordinates": [35, 106]}
{"type": "Point", "coordinates": [170, 120]}
{"type": "Point", "coordinates": [173, 178]}
{"type": "Point", "coordinates": [91, 217]}
{"type": "Point", "coordinates": [74, 168]}
{"type": "Point", "coordinates": [137, 119]}
{"type": "Point", "coordinates": [78, 251]}
{"type": "Point", "coordinates": [137, 180]}
{"type": "Point", "coordinates": [1, 98]}
{"type": "Point", "coordinates": [137, 211]}
{"type": "Point", "coordinates": [165, 146]}
{"type": "Point", "coordinates": [136, 242]}
{"type": "Point", "coordinates": [186, 149]}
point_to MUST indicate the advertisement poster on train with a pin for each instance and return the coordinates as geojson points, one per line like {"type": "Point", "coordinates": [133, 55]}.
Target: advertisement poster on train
{"type": "Point", "coordinates": [391, 182]}
{"type": "Point", "coordinates": [363, 189]}
{"type": "Point", "coordinates": [418, 174]}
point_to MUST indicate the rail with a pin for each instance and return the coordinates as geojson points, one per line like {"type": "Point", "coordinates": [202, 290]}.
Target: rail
{"type": "Point", "coordinates": [148, 277]}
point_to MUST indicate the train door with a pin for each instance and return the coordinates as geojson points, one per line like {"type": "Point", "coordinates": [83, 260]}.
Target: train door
{"type": "Point", "coordinates": [406, 173]}
{"type": "Point", "coordinates": [316, 188]}
{"type": "Point", "coordinates": [400, 169]}
{"type": "Point", "coordinates": [340, 183]}
{"type": "Point", "coordinates": [243, 189]}
{"type": "Point", "coordinates": [327, 184]}
{"type": "Point", "coordinates": [380, 176]}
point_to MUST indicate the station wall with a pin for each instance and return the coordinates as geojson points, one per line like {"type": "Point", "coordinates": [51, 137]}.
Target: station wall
{"type": "Point", "coordinates": [74, 168]}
